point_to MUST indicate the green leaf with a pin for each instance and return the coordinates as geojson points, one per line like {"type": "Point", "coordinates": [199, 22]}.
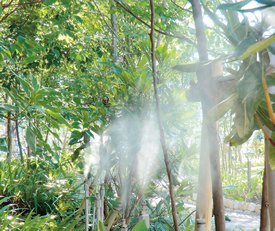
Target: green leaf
{"type": "Point", "coordinates": [31, 138]}
{"type": "Point", "coordinates": [251, 82]}
{"type": "Point", "coordinates": [100, 226]}
{"type": "Point", "coordinates": [243, 46]}
{"type": "Point", "coordinates": [58, 117]}
{"type": "Point", "coordinates": [8, 107]}
{"type": "Point", "coordinates": [29, 60]}
{"type": "Point", "coordinates": [221, 108]}
{"type": "Point", "coordinates": [233, 6]}
{"type": "Point", "coordinates": [259, 46]}
{"type": "Point", "coordinates": [141, 226]}
{"type": "Point", "coordinates": [271, 153]}
{"type": "Point", "coordinates": [27, 86]}
{"type": "Point", "coordinates": [193, 67]}
{"type": "Point", "coordinates": [234, 197]}
{"type": "Point", "coordinates": [6, 53]}
{"type": "Point", "coordinates": [236, 140]}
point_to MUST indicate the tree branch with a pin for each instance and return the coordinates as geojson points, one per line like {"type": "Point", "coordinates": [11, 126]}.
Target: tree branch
{"type": "Point", "coordinates": [180, 7]}
{"type": "Point", "coordinates": [161, 130]}
{"type": "Point", "coordinates": [159, 31]}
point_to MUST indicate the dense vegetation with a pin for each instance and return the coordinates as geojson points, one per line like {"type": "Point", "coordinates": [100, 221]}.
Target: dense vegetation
{"type": "Point", "coordinates": [79, 103]}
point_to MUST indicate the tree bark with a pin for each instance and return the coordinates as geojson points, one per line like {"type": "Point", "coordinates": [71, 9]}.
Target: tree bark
{"type": "Point", "coordinates": [206, 81]}
{"type": "Point", "coordinates": [161, 129]}
{"type": "Point", "coordinates": [264, 226]}
{"type": "Point", "coordinates": [9, 138]}
{"type": "Point", "coordinates": [114, 28]}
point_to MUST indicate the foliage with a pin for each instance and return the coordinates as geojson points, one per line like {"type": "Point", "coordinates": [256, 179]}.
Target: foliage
{"type": "Point", "coordinates": [43, 188]}
{"type": "Point", "coordinates": [59, 75]}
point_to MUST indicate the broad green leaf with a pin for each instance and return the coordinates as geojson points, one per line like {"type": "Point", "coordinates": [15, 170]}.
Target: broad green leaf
{"type": "Point", "coordinates": [35, 83]}
{"type": "Point", "coordinates": [259, 46]}
{"type": "Point", "coordinates": [236, 140]}
{"type": "Point", "coordinates": [142, 62]}
{"type": "Point", "coordinates": [141, 226]}
{"type": "Point", "coordinates": [271, 153]}
{"type": "Point", "coordinates": [13, 96]}
{"type": "Point", "coordinates": [243, 46]}
{"type": "Point", "coordinates": [221, 108]}
{"type": "Point", "coordinates": [27, 86]}
{"type": "Point", "coordinates": [100, 226]}
{"type": "Point", "coordinates": [6, 53]}
{"type": "Point", "coordinates": [193, 67]}
{"type": "Point", "coordinates": [229, 187]}
{"type": "Point", "coordinates": [267, 2]}
{"type": "Point", "coordinates": [235, 197]}
{"type": "Point", "coordinates": [31, 138]}
{"type": "Point", "coordinates": [8, 107]}
{"type": "Point", "coordinates": [29, 60]}
{"type": "Point", "coordinates": [58, 117]}
{"type": "Point", "coordinates": [233, 6]}
{"type": "Point", "coordinates": [21, 40]}
{"type": "Point", "coordinates": [251, 82]}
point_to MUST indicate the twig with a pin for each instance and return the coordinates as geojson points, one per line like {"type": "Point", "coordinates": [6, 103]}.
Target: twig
{"type": "Point", "coordinates": [161, 130]}
{"type": "Point", "coordinates": [180, 7]}
{"type": "Point", "coordinates": [7, 117]}
{"type": "Point", "coordinates": [186, 218]}
{"type": "Point", "coordinates": [19, 143]}
{"type": "Point", "coordinates": [159, 31]}
{"type": "Point", "coordinates": [20, 25]}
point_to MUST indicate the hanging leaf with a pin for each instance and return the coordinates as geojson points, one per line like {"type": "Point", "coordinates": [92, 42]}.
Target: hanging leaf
{"type": "Point", "coordinates": [243, 46]}
{"type": "Point", "coordinates": [259, 46]}
{"type": "Point", "coordinates": [31, 138]}
{"type": "Point", "coordinates": [236, 140]}
{"type": "Point", "coordinates": [193, 67]}
{"type": "Point", "coordinates": [58, 117]}
{"type": "Point", "coordinates": [221, 108]}
{"type": "Point", "coordinates": [26, 86]}
{"type": "Point", "coordinates": [271, 153]}
{"type": "Point", "coordinates": [251, 82]}
{"type": "Point", "coordinates": [100, 226]}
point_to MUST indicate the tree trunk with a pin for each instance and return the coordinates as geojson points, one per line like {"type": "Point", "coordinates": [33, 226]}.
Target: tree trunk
{"type": "Point", "coordinates": [9, 138]}
{"type": "Point", "coordinates": [204, 193]}
{"type": "Point", "coordinates": [160, 125]}
{"type": "Point", "coordinates": [207, 99]}
{"type": "Point", "coordinates": [114, 28]}
{"type": "Point", "coordinates": [264, 209]}
{"type": "Point", "coordinates": [223, 158]}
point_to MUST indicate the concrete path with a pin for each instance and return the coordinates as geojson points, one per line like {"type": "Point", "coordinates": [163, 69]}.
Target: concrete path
{"type": "Point", "coordinates": [246, 222]}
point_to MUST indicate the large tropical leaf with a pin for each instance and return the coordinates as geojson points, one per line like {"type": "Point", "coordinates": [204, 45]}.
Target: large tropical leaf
{"type": "Point", "coordinates": [259, 46]}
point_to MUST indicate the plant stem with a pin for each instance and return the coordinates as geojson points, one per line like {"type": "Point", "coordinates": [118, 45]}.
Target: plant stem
{"type": "Point", "coordinates": [161, 130]}
{"type": "Point", "coordinates": [264, 226]}
{"type": "Point", "coordinates": [19, 143]}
